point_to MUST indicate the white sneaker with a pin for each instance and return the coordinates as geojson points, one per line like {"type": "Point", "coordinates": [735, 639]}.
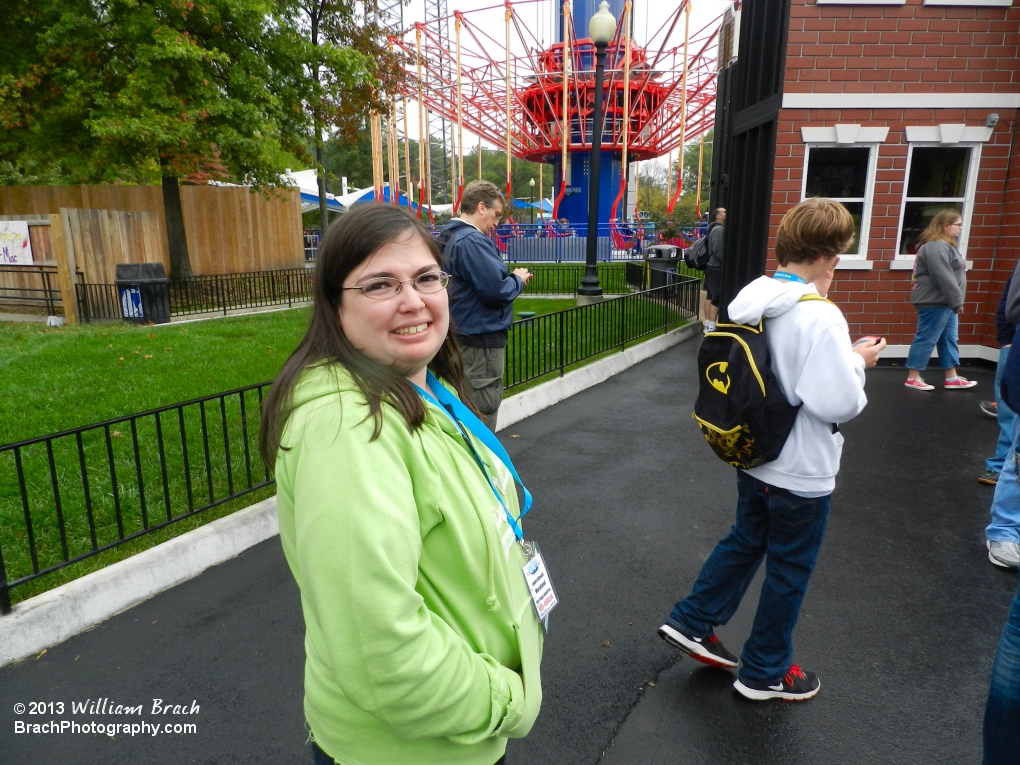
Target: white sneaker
{"type": "Point", "coordinates": [1003, 553]}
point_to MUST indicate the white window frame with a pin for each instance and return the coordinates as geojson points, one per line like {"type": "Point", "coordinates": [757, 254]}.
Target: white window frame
{"type": "Point", "coordinates": [906, 262]}
{"type": "Point", "coordinates": [849, 137]}
{"type": "Point", "coordinates": [860, 259]}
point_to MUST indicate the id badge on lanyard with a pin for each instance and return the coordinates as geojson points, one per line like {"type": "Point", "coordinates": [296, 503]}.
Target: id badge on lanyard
{"type": "Point", "coordinates": [536, 575]}
{"type": "Point", "coordinates": [543, 595]}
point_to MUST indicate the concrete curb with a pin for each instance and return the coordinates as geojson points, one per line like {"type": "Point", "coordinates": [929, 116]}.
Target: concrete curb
{"type": "Point", "coordinates": [65, 611]}
{"type": "Point", "coordinates": [58, 614]}
{"type": "Point", "coordinates": [516, 408]}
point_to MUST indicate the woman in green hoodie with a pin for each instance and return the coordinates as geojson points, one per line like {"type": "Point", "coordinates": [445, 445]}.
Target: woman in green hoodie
{"type": "Point", "coordinates": [422, 645]}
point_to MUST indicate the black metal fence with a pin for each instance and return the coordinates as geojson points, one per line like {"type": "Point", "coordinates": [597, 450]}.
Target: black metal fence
{"type": "Point", "coordinates": [207, 294]}
{"type": "Point", "coordinates": [553, 342]}
{"type": "Point", "coordinates": [30, 287]}
{"type": "Point", "coordinates": [221, 294]}
{"type": "Point", "coordinates": [312, 237]}
{"type": "Point", "coordinates": [69, 496]}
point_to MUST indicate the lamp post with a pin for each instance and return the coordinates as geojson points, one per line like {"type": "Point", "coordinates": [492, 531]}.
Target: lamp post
{"type": "Point", "coordinates": [601, 29]}
{"type": "Point", "coordinates": [531, 200]}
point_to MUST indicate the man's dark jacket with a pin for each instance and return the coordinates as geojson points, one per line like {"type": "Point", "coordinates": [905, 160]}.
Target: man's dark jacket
{"type": "Point", "coordinates": [716, 244]}
{"type": "Point", "coordinates": [482, 289]}
{"type": "Point", "coordinates": [1009, 388]}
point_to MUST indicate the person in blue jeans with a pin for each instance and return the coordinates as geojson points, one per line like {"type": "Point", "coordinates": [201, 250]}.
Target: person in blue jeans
{"type": "Point", "coordinates": [783, 505]}
{"type": "Point", "coordinates": [938, 291]}
{"type": "Point", "coordinates": [1004, 332]}
{"type": "Point", "coordinates": [1002, 711]}
{"type": "Point", "coordinates": [1002, 535]}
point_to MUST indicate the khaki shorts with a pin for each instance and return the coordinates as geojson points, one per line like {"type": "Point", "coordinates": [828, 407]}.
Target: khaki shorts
{"type": "Point", "coordinates": [483, 368]}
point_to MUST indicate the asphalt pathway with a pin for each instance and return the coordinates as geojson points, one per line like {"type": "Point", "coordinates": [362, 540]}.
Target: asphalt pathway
{"type": "Point", "coordinates": [900, 621]}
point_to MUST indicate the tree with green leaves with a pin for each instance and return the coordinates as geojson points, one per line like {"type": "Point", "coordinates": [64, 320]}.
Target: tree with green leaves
{"type": "Point", "coordinates": [131, 91]}
{"type": "Point", "coordinates": [334, 29]}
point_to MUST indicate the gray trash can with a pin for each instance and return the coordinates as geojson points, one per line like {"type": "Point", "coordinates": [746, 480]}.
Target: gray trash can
{"type": "Point", "coordinates": [144, 293]}
{"type": "Point", "coordinates": [669, 251]}
{"type": "Point", "coordinates": [662, 263]}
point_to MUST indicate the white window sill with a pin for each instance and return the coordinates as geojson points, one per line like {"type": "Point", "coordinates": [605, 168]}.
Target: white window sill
{"type": "Point", "coordinates": [846, 264]}
{"type": "Point", "coordinates": [971, 3]}
{"type": "Point", "coordinates": [907, 264]}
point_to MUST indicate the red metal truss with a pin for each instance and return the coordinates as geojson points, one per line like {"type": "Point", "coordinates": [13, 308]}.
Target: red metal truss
{"type": "Point", "coordinates": [536, 85]}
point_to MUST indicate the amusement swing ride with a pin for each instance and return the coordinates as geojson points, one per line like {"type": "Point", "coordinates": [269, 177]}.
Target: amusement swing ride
{"type": "Point", "coordinates": [537, 101]}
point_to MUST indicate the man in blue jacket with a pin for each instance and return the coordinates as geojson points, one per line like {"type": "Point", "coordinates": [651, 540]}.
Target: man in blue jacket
{"type": "Point", "coordinates": [482, 292]}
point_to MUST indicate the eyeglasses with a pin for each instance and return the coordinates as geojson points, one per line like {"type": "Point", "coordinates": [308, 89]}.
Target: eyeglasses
{"type": "Point", "coordinates": [383, 287]}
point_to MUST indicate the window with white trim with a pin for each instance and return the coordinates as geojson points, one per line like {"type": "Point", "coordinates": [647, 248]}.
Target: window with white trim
{"type": "Point", "coordinates": [845, 174]}
{"type": "Point", "coordinates": [939, 177]}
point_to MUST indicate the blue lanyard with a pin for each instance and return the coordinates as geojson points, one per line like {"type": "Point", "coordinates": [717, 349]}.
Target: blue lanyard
{"type": "Point", "coordinates": [466, 420]}
{"type": "Point", "coordinates": [787, 277]}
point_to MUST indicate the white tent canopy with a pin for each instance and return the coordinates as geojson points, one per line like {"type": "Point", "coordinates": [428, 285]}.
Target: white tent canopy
{"type": "Point", "coordinates": [307, 183]}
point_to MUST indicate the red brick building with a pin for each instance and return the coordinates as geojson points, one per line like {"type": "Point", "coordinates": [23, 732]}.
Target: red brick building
{"type": "Point", "coordinates": [898, 109]}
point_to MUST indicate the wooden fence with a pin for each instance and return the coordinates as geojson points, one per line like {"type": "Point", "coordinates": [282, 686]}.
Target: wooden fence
{"type": "Point", "coordinates": [50, 253]}
{"type": "Point", "coordinates": [230, 229]}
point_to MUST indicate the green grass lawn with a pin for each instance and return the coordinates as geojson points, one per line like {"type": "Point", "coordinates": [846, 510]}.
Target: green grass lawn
{"type": "Point", "coordinates": [62, 378]}
{"type": "Point", "coordinates": [59, 378]}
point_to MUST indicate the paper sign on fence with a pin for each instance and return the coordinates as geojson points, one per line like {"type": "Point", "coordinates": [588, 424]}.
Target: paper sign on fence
{"type": "Point", "coordinates": [15, 245]}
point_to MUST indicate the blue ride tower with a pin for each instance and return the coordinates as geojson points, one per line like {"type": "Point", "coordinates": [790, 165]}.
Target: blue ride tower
{"type": "Point", "coordinates": [574, 205]}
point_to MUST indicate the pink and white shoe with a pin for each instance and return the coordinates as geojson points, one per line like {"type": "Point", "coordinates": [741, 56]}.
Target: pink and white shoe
{"type": "Point", "coordinates": [918, 384]}
{"type": "Point", "coordinates": [959, 382]}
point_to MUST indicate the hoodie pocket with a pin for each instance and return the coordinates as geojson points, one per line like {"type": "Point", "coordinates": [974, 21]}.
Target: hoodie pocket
{"type": "Point", "coordinates": [529, 640]}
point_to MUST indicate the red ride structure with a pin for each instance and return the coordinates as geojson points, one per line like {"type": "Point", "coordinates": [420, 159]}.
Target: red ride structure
{"type": "Point", "coordinates": [537, 101]}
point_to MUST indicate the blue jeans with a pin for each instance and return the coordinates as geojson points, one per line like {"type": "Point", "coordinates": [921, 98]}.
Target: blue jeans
{"type": "Point", "coordinates": [1005, 510]}
{"type": "Point", "coordinates": [1002, 712]}
{"type": "Point", "coordinates": [937, 327]}
{"type": "Point", "coordinates": [786, 530]}
{"type": "Point", "coordinates": [1005, 418]}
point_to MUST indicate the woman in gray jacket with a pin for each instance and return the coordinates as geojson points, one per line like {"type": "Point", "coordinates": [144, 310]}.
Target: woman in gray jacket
{"type": "Point", "coordinates": [937, 292]}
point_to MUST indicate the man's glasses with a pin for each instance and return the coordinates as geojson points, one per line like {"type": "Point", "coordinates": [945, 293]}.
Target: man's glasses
{"type": "Point", "coordinates": [383, 287]}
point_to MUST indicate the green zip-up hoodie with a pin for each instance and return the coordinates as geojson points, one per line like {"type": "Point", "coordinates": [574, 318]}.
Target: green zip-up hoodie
{"type": "Point", "coordinates": [421, 642]}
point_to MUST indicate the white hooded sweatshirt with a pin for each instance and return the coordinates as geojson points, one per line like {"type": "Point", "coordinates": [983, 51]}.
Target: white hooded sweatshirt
{"type": "Point", "coordinates": [813, 360]}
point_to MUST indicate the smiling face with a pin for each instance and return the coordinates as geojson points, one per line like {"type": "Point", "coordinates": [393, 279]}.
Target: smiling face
{"type": "Point", "coordinates": [405, 331]}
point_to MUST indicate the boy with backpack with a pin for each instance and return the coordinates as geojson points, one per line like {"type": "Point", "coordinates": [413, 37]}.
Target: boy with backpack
{"type": "Point", "coordinates": [783, 504]}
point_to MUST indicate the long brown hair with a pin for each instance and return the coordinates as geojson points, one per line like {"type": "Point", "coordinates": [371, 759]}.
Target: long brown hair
{"type": "Point", "coordinates": [348, 242]}
{"type": "Point", "coordinates": [937, 228]}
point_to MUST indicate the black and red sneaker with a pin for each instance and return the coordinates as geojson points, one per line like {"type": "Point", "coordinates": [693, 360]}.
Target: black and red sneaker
{"type": "Point", "coordinates": [797, 685]}
{"type": "Point", "coordinates": [708, 650]}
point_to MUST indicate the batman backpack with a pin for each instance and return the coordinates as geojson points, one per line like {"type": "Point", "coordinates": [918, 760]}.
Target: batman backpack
{"type": "Point", "coordinates": [741, 408]}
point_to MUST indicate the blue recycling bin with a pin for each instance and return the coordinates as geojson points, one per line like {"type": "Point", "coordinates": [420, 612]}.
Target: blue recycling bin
{"type": "Point", "coordinates": [144, 291]}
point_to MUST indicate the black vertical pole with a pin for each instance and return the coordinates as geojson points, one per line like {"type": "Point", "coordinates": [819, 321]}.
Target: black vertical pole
{"type": "Point", "coordinates": [5, 592]}
{"type": "Point", "coordinates": [590, 281]}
